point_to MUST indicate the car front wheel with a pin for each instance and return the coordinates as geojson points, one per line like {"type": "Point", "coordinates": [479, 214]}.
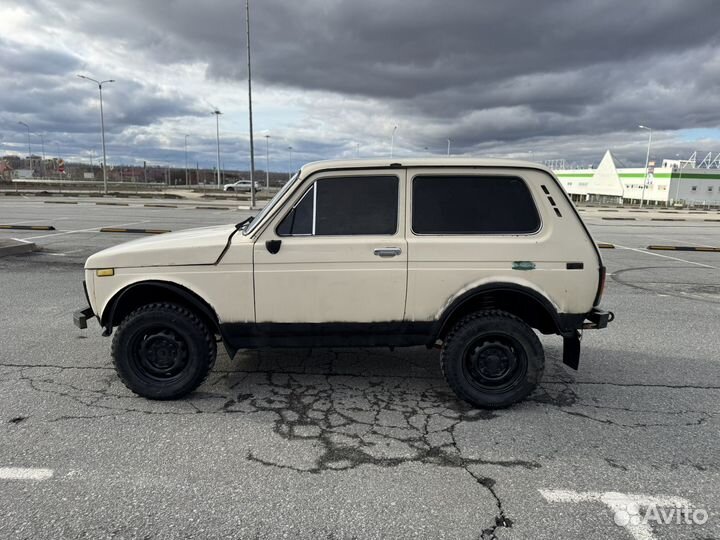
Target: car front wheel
{"type": "Point", "coordinates": [492, 359]}
{"type": "Point", "coordinates": [163, 351]}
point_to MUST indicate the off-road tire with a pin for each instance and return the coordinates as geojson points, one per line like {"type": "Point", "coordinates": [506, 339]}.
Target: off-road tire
{"type": "Point", "coordinates": [154, 335]}
{"type": "Point", "coordinates": [492, 359]}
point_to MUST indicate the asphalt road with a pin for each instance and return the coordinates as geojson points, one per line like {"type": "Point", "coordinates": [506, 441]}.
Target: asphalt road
{"type": "Point", "coordinates": [357, 443]}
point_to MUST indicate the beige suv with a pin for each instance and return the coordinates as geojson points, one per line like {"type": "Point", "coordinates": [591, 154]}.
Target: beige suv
{"type": "Point", "coordinates": [470, 255]}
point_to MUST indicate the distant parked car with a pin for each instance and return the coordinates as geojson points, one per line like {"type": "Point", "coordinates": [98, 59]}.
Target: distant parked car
{"type": "Point", "coordinates": [241, 185]}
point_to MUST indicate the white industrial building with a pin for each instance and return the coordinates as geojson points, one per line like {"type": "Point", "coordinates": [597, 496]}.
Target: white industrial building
{"type": "Point", "coordinates": [675, 182]}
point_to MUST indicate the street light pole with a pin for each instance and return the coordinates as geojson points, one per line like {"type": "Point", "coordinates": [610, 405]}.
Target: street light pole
{"type": "Point", "coordinates": [647, 163]}
{"type": "Point", "coordinates": [252, 142]}
{"type": "Point", "coordinates": [677, 188]}
{"type": "Point", "coordinates": [42, 152]}
{"type": "Point", "coordinates": [392, 141]}
{"type": "Point", "coordinates": [217, 114]}
{"type": "Point", "coordinates": [102, 126]}
{"type": "Point", "coordinates": [267, 161]}
{"type": "Point", "coordinates": [28, 137]}
{"type": "Point", "coordinates": [291, 165]}
{"type": "Point", "coordinates": [187, 181]}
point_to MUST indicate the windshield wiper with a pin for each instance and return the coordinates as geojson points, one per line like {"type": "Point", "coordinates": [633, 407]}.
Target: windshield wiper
{"type": "Point", "coordinates": [244, 222]}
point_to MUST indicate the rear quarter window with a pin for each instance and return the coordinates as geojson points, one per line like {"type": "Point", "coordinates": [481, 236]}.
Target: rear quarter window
{"type": "Point", "coordinates": [473, 204]}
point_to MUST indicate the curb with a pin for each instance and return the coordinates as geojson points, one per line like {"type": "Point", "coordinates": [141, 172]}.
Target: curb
{"type": "Point", "coordinates": [112, 203]}
{"type": "Point", "coordinates": [160, 205]}
{"type": "Point", "coordinates": [667, 219]}
{"type": "Point", "coordinates": [60, 202]}
{"type": "Point", "coordinates": [620, 218]}
{"type": "Point", "coordinates": [29, 227]}
{"type": "Point", "coordinates": [15, 246]}
{"type": "Point", "coordinates": [135, 231]}
{"type": "Point", "coordinates": [213, 208]}
{"type": "Point", "coordinates": [684, 248]}
{"type": "Point", "coordinates": [603, 245]}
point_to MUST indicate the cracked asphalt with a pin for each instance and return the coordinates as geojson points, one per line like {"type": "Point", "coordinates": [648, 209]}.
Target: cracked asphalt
{"type": "Point", "coordinates": [355, 443]}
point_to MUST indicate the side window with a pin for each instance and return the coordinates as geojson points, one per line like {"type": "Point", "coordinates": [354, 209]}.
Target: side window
{"type": "Point", "coordinates": [299, 222]}
{"type": "Point", "coordinates": [353, 205]}
{"type": "Point", "coordinates": [357, 205]}
{"type": "Point", "coordinates": [473, 205]}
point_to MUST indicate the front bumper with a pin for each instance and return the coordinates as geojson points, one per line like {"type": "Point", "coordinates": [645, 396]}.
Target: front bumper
{"type": "Point", "coordinates": [81, 316]}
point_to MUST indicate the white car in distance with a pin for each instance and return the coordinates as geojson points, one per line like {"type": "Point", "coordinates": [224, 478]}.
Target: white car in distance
{"type": "Point", "coordinates": [241, 185]}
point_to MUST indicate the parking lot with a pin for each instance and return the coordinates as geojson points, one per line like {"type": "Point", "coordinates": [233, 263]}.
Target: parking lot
{"type": "Point", "coordinates": [357, 443]}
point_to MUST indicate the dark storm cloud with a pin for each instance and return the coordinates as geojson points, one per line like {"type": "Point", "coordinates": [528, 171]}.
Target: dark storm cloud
{"type": "Point", "coordinates": [510, 72]}
{"type": "Point", "coordinates": [20, 59]}
{"type": "Point", "coordinates": [63, 104]}
{"type": "Point", "coordinates": [405, 49]}
{"type": "Point", "coordinates": [40, 87]}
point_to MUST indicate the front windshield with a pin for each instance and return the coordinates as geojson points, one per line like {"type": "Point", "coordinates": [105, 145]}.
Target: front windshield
{"type": "Point", "coordinates": [279, 195]}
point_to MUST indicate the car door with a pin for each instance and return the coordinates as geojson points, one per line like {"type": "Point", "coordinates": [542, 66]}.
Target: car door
{"type": "Point", "coordinates": [336, 252]}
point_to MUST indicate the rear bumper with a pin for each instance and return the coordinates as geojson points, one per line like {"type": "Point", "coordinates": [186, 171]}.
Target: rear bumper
{"type": "Point", "coordinates": [593, 320]}
{"type": "Point", "coordinates": [597, 318]}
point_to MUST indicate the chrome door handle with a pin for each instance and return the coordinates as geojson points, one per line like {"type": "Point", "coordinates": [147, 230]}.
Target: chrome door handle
{"type": "Point", "coordinates": [387, 252]}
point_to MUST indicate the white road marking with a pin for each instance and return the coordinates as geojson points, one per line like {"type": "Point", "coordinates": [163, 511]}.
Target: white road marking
{"type": "Point", "coordinates": [667, 257]}
{"type": "Point", "coordinates": [20, 473]}
{"type": "Point", "coordinates": [619, 504]}
{"type": "Point", "coordinates": [65, 254]}
{"type": "Point", "coordinates": [87, 230]}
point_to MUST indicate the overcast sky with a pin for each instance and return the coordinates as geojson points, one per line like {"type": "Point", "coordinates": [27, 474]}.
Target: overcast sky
{"type": "Point", "coordinates": [513, 78]}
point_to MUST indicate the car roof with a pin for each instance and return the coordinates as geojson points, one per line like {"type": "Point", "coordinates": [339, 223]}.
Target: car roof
{"type": "Point", "coordinates": [399, 162]}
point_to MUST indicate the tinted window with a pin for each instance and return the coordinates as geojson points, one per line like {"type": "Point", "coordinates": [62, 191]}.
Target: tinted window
{"type": "Point", "coordinates": [357, 205]}
{"type": "Point", "coordinates": [299, 220]}
{"type": "Point", "coordinates": [473, 205]}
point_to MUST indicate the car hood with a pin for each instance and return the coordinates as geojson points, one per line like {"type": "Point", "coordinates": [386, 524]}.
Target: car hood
{"type": "Point", "coordinates": [182, 248]}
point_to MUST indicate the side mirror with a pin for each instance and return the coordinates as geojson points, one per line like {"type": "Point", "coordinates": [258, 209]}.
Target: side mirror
{"type": "Point", "coordinates": [273, 246]}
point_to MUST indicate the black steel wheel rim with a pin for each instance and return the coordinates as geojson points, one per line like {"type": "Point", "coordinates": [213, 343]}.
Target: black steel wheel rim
{"type": "Point", "coordinates": [159, 354]}
{"type": "Point", "coordinates": [494, 362]}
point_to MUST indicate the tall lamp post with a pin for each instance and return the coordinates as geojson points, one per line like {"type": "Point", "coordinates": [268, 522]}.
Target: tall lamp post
{"type": "Point", "coordinates": [392, 141]}
{"type": "Point", "coordinates": [252, 143]}
{"type": "Point", "coordinates": [267, 161]}
{"type": "Point", "coordinates": [28, 137]}
{"type": "Point", "coordinates": [187, 178]}
{"type": "Point", "coordinates": [42, 153]}
{"type": "Point", "coordinates": [647, 163]}
{"type": "Point", "coordinates": [217, 114]}
{"type": "Point", "coordinates": [677, 187]}
{"type": "Point", "coordinates": [291, 165]}
{"type": "Point", "coordinates": [102, 125]}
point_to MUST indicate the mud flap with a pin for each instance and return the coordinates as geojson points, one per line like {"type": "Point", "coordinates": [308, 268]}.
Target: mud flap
{"type": "Point", "coordinates": [571, 351]}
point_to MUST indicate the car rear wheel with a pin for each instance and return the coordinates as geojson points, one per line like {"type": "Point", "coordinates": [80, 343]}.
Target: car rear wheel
{"type": "Point", "coordinates": [492, 359]}
{"type": "Point", "coordinates": [163, 351]}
